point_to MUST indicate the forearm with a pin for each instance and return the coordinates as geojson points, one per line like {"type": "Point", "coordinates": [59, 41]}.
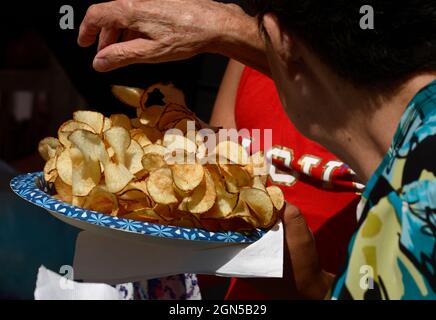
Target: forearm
{"type": "Point", "coordinates": [239, 38]}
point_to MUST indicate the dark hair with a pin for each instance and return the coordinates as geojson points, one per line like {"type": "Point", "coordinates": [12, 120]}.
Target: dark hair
{"type": "Point", "coordinates": [402, 43]}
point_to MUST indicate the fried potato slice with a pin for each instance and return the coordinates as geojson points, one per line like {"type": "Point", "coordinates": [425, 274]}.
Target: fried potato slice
{"type": "Point", "coordinates": [258, 183]}
{"type": "Point", "coordinates": [134, 155]}
{"type": "Point", "coordinates": [128, 95]}
{"type": "Point", "coordinates": [152, 161]}
{"type": "Point", "coordinates": [187, 176]}
{"type": "Point", "coordinates": [145, 215]}
{"type": "Point", "coordinates": [90, 144]}
{"type": "Point", "coordinates": [86, 173]}
{"type": "Point", "coordinates": [277, 197]}
{"type": "Point", "coordinates": [119, 140]}
{"type": "Point", "coordinates": [93, 119]}
{"type": "Point", "coordinates": [232, 152]}
{"type": "Point", "coordinates": [152, 133]}
{"type": "Point", "coordinates": [257, 164]}
{"type": "Point", "coordinates": [150, 116]}
{"type": "Point", "coordinates": [225, 201]}
{"type": "Point", "coordinates": [203, 197]}
{"type": "Point", "coordinates": [107, 124]}
{"type": "Point", "coordinates": [169, 93]}
{"type": "Point", "coordinates": [155, 148]}
{"type": "Point", "coordinates": [116, 175]}
{"type": "Point", "coordinates": [64, 166]}
{"type": "Point", "coordinates": [261, 204]}
{"type": "Point", "coordinates": [101, 200]}
{"type": "Point", "coordinates": [140, 137]}
{"type": "Point", "coordinates": [174, 140]}
{"type": "Point", "coordinates": [49, 147]}
{"type": "Point", "coordinates": [160, 186]}
{"type": "Point", "coordinates": [50, 172]}
{"type": "Point", "coordinates": [68, 127]}
{"type": "Point", "coordinates": [64, 191]}
{"type": "Point", "coordinates": [121, 120]}
{"type": "Point", "coordinates": [237, 174]}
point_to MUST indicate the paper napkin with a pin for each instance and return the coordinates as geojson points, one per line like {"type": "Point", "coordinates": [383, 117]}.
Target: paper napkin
{"type": "Point", "coordinates": [104, 259]}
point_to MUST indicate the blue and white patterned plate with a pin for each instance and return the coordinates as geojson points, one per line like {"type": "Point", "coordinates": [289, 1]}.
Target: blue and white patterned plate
{"type": "Point", "coordinates": [33, 188]}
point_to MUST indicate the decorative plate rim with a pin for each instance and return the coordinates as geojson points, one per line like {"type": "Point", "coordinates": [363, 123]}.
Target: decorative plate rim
{"type": "Point", "coordinates": [25, 186]}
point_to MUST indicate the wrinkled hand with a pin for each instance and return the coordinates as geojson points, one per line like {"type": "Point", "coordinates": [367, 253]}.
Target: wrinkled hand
{"type": "Point", "coordinates": [309, 279]}
{"type": "Point", "coordinates": [153, 31]}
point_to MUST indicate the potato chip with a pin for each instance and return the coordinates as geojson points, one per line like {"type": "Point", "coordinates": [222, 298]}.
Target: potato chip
{"type": "Point", "coordinates": [107, 124]}
{"type": "Point", "coordinates": [139, 136]}
{"type": "Point", "coordinates": [238, 175]}
{"type": "Point", "coordinates": [203, 197]}
{"type": "Point", "coordinates": [182, 125]}
{"type": "Point", "coordinates": [236, 224]}
{"type": "Point", "coordinates": [49, 147]}
{"type": "Point", "coordinates": [151, 115]}
{"type": "Point", "coordinates": [145, 215]}
{"type": "Point", "coordinates": [134, 155]}
{"type": "Point", "coordinates": [121, 120]}
{"type": "Point", "coordinates": [116, 176]}
{"type": "Point", "coordinates": [119, 140]}
{"type": "Point", "coordinates": [86, 173]}
{"type": "Point", "coordinates": [101, 200]}
{"type": "Point", "coordinates": [78, 201]}
{"type": "Point", "coordinates": [233, 152]}
{"type": "Point", "coordinates": [257, 165]}
{"type": "Point", "coordinates": [166, 212]}
{"type": "Point", "coordinates": [68, 127]}
{"type": "Point", "coordinates": [90, 144]}
{"type": "Point", "coordinates": [93, 119]}
{"type": "Point", "coordinates": [174, 140]}
{"type": "Point", "coordinates": [155, 148]}
{"type": "Point", "coordinates": [50, 172]}
{"type": "Point", "coordinates": [261, 204]}
{"type": "Point", "coordinates": [64, 166]}
{"type": "Point", "coordinates": [169, 93]}
{"type": "Point", "coordinates": [128, 95]}
{"type": "Point", "coordinates": [133, 205]}
{"type": "Point", "coordinates": [171, 106]}
{"type": "Point", "coordinates": [152, 161]}
{"type": "Point", "coordinates": [153, 134]}
{"type": "Point", "coordinates": [168, 117]}
{"type": "Point", "coordinates": [136, 123]}
{"type": "Point", "coordinates": [160, 186]}
{"type": "Point", "coordinates": [186, 222]}
{"type": "Point", "coordinates": [258, 183]}
{"type": "Point", "coordinates": [138, 185]}
{"type": "Point", "coordinates": [225, 201]}
{"type": "Point", "coordinates": [187, 176]}
{"type": "Point", "coordinates": [277, 197]}
{"type": "Point", "coordinates": [64, 191]}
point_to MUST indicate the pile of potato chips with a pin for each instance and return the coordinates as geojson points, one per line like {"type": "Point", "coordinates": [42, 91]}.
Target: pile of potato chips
{"type": "Point", "coordinates": [138, 169]}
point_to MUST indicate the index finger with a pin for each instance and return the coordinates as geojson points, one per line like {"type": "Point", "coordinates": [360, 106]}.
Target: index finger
{"type": "Point", "coordinates": [98, 16]}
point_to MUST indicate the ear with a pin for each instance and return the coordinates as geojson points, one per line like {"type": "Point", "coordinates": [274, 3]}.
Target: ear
{"type": "Point", "coordinates": [280, 40]}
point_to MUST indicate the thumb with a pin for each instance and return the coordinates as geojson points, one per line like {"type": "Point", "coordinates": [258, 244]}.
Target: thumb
{"type": "Point", "coordinates": [121, 54]}
{"type": "Point", "coordinates": [302, 250]}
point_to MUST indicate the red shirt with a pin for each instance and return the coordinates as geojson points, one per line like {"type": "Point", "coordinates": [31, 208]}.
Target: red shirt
{"type": "Point", "coordinates": [312, 178]}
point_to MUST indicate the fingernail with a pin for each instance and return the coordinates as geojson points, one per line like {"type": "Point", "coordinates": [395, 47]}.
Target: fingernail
{"type": "Point", "coordinates": [100, 64]}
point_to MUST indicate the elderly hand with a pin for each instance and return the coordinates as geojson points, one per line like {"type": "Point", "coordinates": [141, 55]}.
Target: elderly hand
{"type": "Point", "coordinates": [153, 31]}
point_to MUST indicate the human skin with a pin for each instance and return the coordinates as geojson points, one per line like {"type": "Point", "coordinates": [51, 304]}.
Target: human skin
{"type": "Point", "coordinates": [154, 31]}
